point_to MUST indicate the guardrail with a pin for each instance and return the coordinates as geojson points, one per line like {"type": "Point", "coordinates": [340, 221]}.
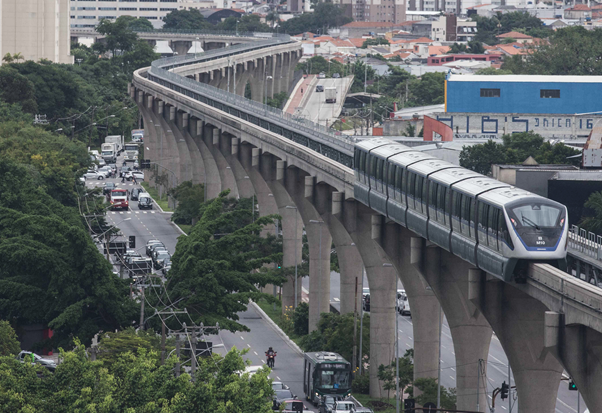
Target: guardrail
{"type": "Point", "coordinates": [208, 32]}
{"type": "Point", "coordinates": [314, 136]}
{"type": "Point", "coordinates": [585, 242]}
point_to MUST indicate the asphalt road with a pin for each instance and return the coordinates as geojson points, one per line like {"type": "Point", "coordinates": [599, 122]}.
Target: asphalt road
{"type": "Point", "coordinates": [154, 224]}
{"type": "Point", "coordinates": [316, 108]}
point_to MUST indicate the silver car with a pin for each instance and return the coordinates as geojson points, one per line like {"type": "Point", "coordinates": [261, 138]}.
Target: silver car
{"type": "Point", "coordinates": [93, 175]}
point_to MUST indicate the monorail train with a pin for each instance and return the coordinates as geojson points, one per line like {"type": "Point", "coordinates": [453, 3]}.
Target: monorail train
{"type": "Point", "coordinates": [493, 225]}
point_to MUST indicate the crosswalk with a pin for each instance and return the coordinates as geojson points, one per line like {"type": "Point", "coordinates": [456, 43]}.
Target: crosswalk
{"type": "Point", "coordinates": [102, 182]}
{"type": "Point", "coordinates": [129, 212]}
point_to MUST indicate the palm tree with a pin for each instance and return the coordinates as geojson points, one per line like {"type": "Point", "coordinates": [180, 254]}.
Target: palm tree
{"type": "Point", "coordinates": [18, 56]}
{"type": "Point", "coordinates": [8, 58]}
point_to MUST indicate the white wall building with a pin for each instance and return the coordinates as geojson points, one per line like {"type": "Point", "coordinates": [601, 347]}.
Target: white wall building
{"type": "Point", "coordinates": [87, 14]}
{"type": "Point", "coordinates": [38, 29]}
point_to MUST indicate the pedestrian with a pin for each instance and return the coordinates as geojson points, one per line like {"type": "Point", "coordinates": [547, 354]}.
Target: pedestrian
{"type": "Point", "coordinates": [123, 178]}
{"type": "Point", "coordinates": [134, 178]}
{"type": "Point", "coordinates": [301, 90]}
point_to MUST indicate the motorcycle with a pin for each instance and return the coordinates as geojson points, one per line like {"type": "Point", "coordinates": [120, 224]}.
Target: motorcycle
{"type": "Point", "coordinates": [270, 359]}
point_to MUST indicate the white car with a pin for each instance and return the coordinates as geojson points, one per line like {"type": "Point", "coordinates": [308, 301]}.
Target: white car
{"type": "Point", "coordinates": [322, 75]}
{"type": "Point", "coordinates": [344, 407]}
{"type": "Point", "coordinates": [93, 175]}
{"type": "Point", "coordinates": [139, 175]}
{"type": "Point", "coordinates": [106, 171]}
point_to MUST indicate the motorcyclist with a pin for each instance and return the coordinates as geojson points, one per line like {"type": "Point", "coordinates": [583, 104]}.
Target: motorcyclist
{"type": "Point", "coordinates": [271, 356]}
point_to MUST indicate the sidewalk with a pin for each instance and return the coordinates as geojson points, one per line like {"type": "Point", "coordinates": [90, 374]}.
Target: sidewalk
{"type": "Point", "coordinates": [295, 100]}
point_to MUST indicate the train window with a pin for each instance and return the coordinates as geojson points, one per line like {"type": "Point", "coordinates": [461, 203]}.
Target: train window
{"type": "Point", "coordinates": [363, 161]}
{"type": "Point", "coordinates": [447, 211]}
{"type": "Point", "coordinates": [503, 235]}
{"type": "Point", "coordinates": [465, 217]}
{"type": "Point", "coordinates": [482, 226]}
{"type": "Point", "coordinates": [379, 169]}
{"type": "Point", "coordinates": [411, 189]}
{"type": "Point", "coordinates": [398, 175]}
{"type": "Point", "coordinates": [432, 209]}
{"type": "Point", "coordinates": [456, 210]}
{"type": "Point", "coordinates": [391, 174]}
{"type": "Point", "coordinates": [371, 166]}
{"type": "Point", "coordinates": [356, 157]}
{"type": "Point", "coordinates": [492, 227]}
{"type": "Point", "coordinates": [418, 194]}
{"type": "Point", "coordinates": [441, 204]}
{"type": "Point", "coordinates": [404, 184]}
{"type": "Point", "coordinates": [425, 193]}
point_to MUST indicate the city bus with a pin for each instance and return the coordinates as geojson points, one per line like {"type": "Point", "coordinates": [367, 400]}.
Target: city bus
{"type": "Point", "coordinates": [131, 152]}
{"type": "Point", "coordinates": [326, 373]}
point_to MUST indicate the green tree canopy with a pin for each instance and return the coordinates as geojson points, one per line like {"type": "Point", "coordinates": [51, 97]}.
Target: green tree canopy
{"type": "Point", "coordinates": [326, 15]}
{"type": "Point", "coordinates": [137, 24]}
{"type": "Point", "coordinates": [119, 37]}
{"type": "Point", "coordinates": [515, 149]}
{"type": "Point", "coordinates": [135, 383]}
{"type": "Point", "coordinates": [9, 345]}
{"type": "Point", "coordinates": [374, 42]}
{"type": "Point", "coordinates": [189, 197]}
{"type": "Point", "coordinates": [490, 27]}
{"type": "Point", "coordinates": [246, 23]}
{"type": "Point", "coordinates": [571, 51]}
{"type": "Point", "coordinates": [593, 223]}
{"type": "Point", "coordinates": [185, 20]}
{"type": "Point", "coordinates": [428, 387]}
{"type": "Point", "coordinates": [214, 269]}
{"type": "Point", "coordinates": [16, 88]}
{"type": "Point", "coordinates": [429, 90]}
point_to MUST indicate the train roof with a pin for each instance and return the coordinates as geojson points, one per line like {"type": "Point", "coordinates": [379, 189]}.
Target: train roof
{"type": "Point", "coordinates": [369, 144]}
{"type": "Point", "coordinates": [386, 151]}
{"type": "Point", "coordinates": [407, 158]}
{"type": "Point", "coordinates": [429, 166]}
{"type": "Point", "coordinates": [451, 176]}
{"type": "Point", "coordinates": [477, 185]}
{"type": "Point", "coordinates": [504, 196]}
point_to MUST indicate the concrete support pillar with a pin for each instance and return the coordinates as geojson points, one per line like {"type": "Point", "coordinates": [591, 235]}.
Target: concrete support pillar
{"type": "Point", "coordinates": [227, 179]}
{"type": "Point", "coordinates": [358, 220]}
{"type": "Point", "coordinates": [211, 178]}
{"type": "Point", "coordinates": [448, 277]}
{"type": "Point", "coordinates": [395, 241]}
{"type": "Point", "coordinates": [579, 349]}
{"type": "Point", "coordinates": [518, 321]}
{"type": "Point", "coordinates": [271, 72]}
{"type": "Point", "coordinates": [257, 85]}
{"type": "Point", "coordinates": [228, 147]}
{"type": "Point", "coordinates": [197, 77]}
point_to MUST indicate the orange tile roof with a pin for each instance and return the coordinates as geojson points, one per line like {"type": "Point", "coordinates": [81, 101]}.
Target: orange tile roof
{"type": "Point", "coordinates": [514, 35]}
{"type": "Point", "coordinates": [438, 50]}
{"type": "Point", "coordinates": [579, 7]}
{"type": "Point", "coordinates": [341, 43]}
{"type": "Point", "coordinates": [374, 24]}
{"type": "Point", "coordinates": [357, 42]}
{"type": "Point", "coordinates": [419, 40]}
{"type": "Point", "coordinates": [511, 49]}
{"type": "Point", "coordinates": [403, 55]}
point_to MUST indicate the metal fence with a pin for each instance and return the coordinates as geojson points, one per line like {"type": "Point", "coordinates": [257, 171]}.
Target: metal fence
{"type": "Point", "coordinates": [585, 242]}
{"type": "Point", "coordinates": [162, 69]}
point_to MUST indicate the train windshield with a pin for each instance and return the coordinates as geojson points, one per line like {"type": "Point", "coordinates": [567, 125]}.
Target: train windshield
{"type": "Point", "coordinates": [538, 224]}
{"type": "Point", "coordinates": [334, 379]}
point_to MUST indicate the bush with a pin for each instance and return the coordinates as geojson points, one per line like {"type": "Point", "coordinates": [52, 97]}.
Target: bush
{"type": "Point", "coordinates": [361, 384]}
{"type": "Point", "coordinates": [301, 319]}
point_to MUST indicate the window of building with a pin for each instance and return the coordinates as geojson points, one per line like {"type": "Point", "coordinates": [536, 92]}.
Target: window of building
{"type": "Point", "coordinates": [168, 8]}
{"type": "Point", "coordinates": [490, 93]}
{"type": "Point", "coordinates": [86, 8]}
{"type": "Point", "coordinates": [86, 17]}
{"type": "Point", "coordinates": [149, 17]}
{"type": "Point", "coordinates": [549, 93]}
{"type": "Point", "coordinates": [148, 9]}
{"type": "Point", "coordinates": [107, 8]}
{"type": "Point", "coordinates": [128, 9]}
{"type": "Point", "coordinates": [107, 17]}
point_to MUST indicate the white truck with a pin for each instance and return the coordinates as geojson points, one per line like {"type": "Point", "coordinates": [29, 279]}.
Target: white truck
{"type": "Point", "coordinates": [137, 135]}
{"type": "Point", "coordinates": [131, 152]}
{"type": "Point", "coordinates": [108, 151]}
{"type": "Point", "coordinates": [117, 140]}
{"type": "Point", "coordinates": [331, 94]}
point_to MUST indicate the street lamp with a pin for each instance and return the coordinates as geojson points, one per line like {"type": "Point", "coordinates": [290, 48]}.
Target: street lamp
{"type": "Point", "coordinates": [296, 237]}
{"type": "Point", "coordinates": [313, 221]}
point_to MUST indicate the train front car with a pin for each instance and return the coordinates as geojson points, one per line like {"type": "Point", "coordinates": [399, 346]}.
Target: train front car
{"type": "Point", "coordinates": [539, 230]}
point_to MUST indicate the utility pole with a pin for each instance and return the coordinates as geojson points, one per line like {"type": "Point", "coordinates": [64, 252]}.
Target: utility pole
{"type": "Point", "coordinates": [162, 339]}
{"type": "Point", "coordinates": [178, 346]}
{"type": "Point", "coordinates": [193, 359]}
{"type": "Point", "coordinates": [142, 309]}
{"type": "Point", "coordinates": [361, 355]}
{"type": "Point", "coordinates": [354, 358]}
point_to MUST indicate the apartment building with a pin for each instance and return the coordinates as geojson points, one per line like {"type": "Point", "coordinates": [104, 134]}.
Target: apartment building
{"type": "Point", "coordinates": [386, 11]}
{"type": "Point", "coordinates": [86, 14]}
{"type": "Point", "coordinates": [38, 29]}
{"type": "Point", "coordinates": [446, 28]}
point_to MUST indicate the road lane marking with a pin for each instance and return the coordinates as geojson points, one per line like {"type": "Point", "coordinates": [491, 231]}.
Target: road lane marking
{"type": "Point", "coordinates": [263, 361]}
{"type": "Point", "coordinates": [336, 299]}
{"type": "Point", "coordinates": [453, 369]}
{"type": "Point", "coordinates": [145, 212]}
{"type": "Point", "coordinates": [136, 212]}
{"type": "Point", "coordinates": [453, 378]}
{"type": "Point", "coordinates": [256, 353]}
{"type": "Point", "coordinates": [242, 338]}
{"type": "Point", "coordinates": [278, 378]}
{"type": "Point", "coordinates": [152, 212]}
{"type": "Point", "coordinates": [248, 345]}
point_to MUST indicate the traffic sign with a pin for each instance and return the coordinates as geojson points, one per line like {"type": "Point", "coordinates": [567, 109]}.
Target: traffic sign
{"type": "Point", "coordinates": [429, 407]}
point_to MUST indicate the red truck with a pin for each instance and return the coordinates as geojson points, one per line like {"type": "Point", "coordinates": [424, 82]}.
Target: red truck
{"type": "Point", "coordinates": [119, 199]}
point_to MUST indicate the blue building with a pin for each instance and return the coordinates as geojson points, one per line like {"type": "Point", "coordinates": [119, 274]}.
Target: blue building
{"type": "Point", "coordinates": [523, 94]}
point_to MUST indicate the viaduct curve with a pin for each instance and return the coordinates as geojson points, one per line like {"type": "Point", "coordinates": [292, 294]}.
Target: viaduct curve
{"type": "Point", "coordinates": [205, 134]}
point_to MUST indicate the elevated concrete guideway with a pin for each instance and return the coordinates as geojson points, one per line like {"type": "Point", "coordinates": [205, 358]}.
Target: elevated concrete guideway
{"type": "Point", "coordinates": [304, 172]}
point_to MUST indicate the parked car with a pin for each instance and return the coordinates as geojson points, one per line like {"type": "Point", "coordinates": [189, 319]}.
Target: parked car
{"type": "Point", "coordinates": [336, 76]}
{"type": "Point", "coordinates": [29, 357]}
{"type": "Point", "coordinates": [135, 193]}
{"type": "Point", "coordinates": [93, 175]}
{"type": "Point", "coordinates": [109, 186]}
{"type": "Point", "coordinates": [145, 201]}
{"type": "Point", "coordinates": [366, 303]}
{"type": "Point", "coordinates": [320, 88]}
{"type": "Point", "coordinates": [160, 259]}
{"type": "Point", "coordinates": [322, 75]}
{"type": "Point", "coordinates": [151, 242]}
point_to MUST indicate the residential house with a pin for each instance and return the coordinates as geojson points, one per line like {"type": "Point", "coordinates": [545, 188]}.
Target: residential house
{"type": "Point", "coordinates": [359, 29]}
{"type": "Point", "coordinates": [517, 36]}
{"type": "Point", "coordinates": [578, 11]}
{"type": "Point", "coordinates": [441, 59]}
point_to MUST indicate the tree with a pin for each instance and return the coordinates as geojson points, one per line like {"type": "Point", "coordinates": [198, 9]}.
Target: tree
{"type": "Point", "coordinates": [301, 319]}
{"type": "Point", "coordinates": [8, 58]}
{"type": "Point", "coordinates": [189, 197]}
{"type": "Point", "coordinates": [429, 387]}
{"type": "Point", "coordinates": [113, 345]}
{"type": "Point", "coordinates": [278, 100]}
{"type": "Point", "coordinates": [490, 27]}
{"type": "Point", "coordinates": [593, 223]}
{"type": "Point", "coordinates": [492, 71]}
{"type": "Point", "coordinates": [386, 374]}
{"type": "Point", "coordinates": [247, 23]}
{"type": "Point", "coordinates": [571, 51]}
{"type": "Point", "coordinates": [273, 18]}
{"type": "Point", "coordinates": [138, 24]}
{"type": "Point", "coordinates": [16, 88]}
{"type": "Point", "coordinates": [429, 90]}
{"type": "Point", "coordinates": [479, 158]}
{"type": "Point", "coordinates": [457, 48]}
{"type": "Point", "coordinates": [476, 47]}
{"type": "Point", "coordinates": [374, 42]}
{"type": "Point", "coordinates": [326, 15]}
{"type": "Point", "coordinates": [185, 20]}
{"type": "Point", "coordinates": [119, 37]}
{"type": "Point", "coordinates": [9, 345]}
{"type": "Point", "coordinates": [214, 269]}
